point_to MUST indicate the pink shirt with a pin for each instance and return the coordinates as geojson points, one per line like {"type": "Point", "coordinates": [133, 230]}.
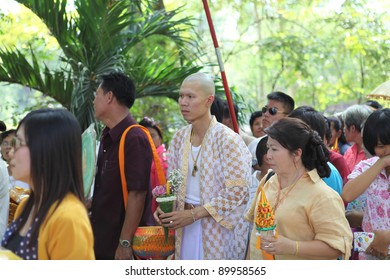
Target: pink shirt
{"type": "Point", "coordinates": [353, 157]}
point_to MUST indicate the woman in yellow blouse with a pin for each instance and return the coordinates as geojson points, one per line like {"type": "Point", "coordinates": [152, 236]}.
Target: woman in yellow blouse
{"type": "Point", "coordinates": [52, 223]}
{"type": "Point", "coordinates": [309, 215]}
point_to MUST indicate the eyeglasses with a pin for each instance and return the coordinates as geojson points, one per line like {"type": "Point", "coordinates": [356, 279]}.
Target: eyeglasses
{"type": "Point", "coordinates": [5, 144]}
{"type": "Point", "coordinates": [272, 111]}
{"type": "Point", "coordinates": [16, 144]}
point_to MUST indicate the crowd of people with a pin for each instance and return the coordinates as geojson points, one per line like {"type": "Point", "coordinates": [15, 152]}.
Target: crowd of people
{"type": "Point", "coordinates": [326, 179]}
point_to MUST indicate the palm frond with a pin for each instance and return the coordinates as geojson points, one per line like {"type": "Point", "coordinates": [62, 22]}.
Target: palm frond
{"type": "Point", "coordinates": [100, 25]}
{"type": "Point", "coordinates": [53, 14]}
{"type": "Point", "coordinates": [26, 71]}
{"type": "Point", "coordinates": [58, 85]}
{"type": "Point", "coordinates": [15, 68]}
{"type": "Point", "coordinates": [159, 77]}
{"type": "Point", "coordinates": [99, 37]}
{"type": "Point", "coordinates": [82, 100]}
{"type": "Point", "coordinates": [162, 23]}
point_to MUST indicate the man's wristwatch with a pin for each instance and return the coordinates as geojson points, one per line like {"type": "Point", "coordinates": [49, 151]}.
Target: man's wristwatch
{"type": "Point", "coordinates": [124, 243]}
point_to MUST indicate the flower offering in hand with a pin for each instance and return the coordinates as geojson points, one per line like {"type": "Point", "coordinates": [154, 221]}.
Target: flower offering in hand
{"type": "Point", "coordinates": [265, 222]}
{"type": "Point", "coordinates": [166, 195]}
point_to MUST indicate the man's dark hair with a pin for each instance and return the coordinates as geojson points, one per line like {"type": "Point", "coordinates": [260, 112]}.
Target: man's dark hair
{"type": "Point", "coordinates": [4, 134]}
{"type": "Point", "coordinates": [121, 86]}
{"type": "Point", "coordinates": [286, 100]}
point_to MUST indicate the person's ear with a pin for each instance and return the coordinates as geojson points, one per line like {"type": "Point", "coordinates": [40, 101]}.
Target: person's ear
{"type": "Point", "coordinates": [210, 100]}
{"type": "Point", "coordinates": [110, 96]}
{"type": "Point", "coordinates": [352, 128]}
{"type": "Point", "coordinates": [297, 155]}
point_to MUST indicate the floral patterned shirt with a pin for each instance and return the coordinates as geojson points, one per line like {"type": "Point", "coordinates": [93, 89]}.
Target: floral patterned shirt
{"type": "Point", "coordinates": [377, 210]}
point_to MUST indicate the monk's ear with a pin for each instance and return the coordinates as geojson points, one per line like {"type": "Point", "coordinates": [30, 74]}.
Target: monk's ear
{"type": "Point", "coordinates": [210, 100]}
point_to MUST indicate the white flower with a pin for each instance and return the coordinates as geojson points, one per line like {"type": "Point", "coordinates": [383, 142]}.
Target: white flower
{"type": "Point", "coordinates": [175, 179]}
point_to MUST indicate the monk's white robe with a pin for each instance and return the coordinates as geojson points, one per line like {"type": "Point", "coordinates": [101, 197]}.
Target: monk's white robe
{"type": "Point", "coordinates": [225, 170]}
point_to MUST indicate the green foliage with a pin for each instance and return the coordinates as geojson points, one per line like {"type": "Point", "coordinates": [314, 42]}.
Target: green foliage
{"type": "Point", "coordinates": [100, 37]}
{"type": "Point", "coordinates": [323, 53]}
{"type": "Point", "coordinates": [165, 111]}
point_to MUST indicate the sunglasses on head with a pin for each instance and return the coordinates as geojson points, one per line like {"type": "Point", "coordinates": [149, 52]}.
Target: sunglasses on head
{"type": "Point", "coordinates": [272, 111]}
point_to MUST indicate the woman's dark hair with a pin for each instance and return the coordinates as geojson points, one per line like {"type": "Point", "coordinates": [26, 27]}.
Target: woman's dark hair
{"type": "Point", "coordinates": [338, 125]}
{"type": "Point", "coordinates": [151, 123]}
{"type": "Point", "coordinates": [328, 131]}
{"type": "Point", "coordinates": [374, 104]}
{"type": "Point", "coordinates": [254, 116]}
{"type": "Point", "coordinates": [294, 134]}
{"type": "Point", "coordinates": [217, 108]}
{"type": "Point", "coordinates": [312, 117]}
{"type": "Point", "coordinates": [121, 86]}
{"type": "Point", "coordinates": [53, 137]}
{"type": "Point", "coordinates": [377, 129]}
{"type": "Point", "coordinates": [261, 150]}
{"type": "Point", "coordinates": [226, 110]}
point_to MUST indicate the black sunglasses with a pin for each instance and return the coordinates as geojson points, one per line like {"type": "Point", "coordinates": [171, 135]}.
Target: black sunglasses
{"type": "Point", "coordinates": [272, 111]}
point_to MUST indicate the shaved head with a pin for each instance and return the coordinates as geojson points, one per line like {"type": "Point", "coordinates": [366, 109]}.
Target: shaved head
{"type": "Point", "coordinates": [203, 81]}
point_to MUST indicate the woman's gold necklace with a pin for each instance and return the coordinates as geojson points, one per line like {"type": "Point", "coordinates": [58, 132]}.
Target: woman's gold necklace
{"type": "Point", "coordinates": [290, 188]}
